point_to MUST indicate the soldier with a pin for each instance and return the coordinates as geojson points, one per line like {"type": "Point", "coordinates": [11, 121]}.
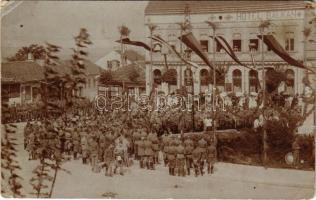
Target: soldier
{"type": "Point", "coordinates": [102, 145]}
{"type": "Point", "coordinates": [136, 139]}
{"type": "Point", "coordinates": [93, 149]}
{"type": "Point", "coordinates": [31, 145]}
{"type": "Point", "coordinates": [155, 146]}
{"type": "Point", "coordinates": [171, 156]}
{"type": "Point", "coordinates": [76, 144]}
{"type": "Point", "coordinates": [165, 139]}
{"type": "Point", "coordinates": [109, 159]}
{"type": "Point", "coordinates": [296, 152]}
{"type": "Point", "coordinates": [180, 158]}
{"type": "Point", "coordinates": [211, 156]}
{"type": "Point", "coordinates": [188, 149]}
{"type": "Point", "coordinates": [84, 149]}
{"type": "Point", "coordinates": [196, 156]}
{"type": "Point", "coordinates": [118, 152]}
{"type": "Point", "coordinates": [166, 145]}
{"type": "Point", "coordinates": [149, 153]}
{"type": "Point", "coordinates": [202, 144]}
{"type": "Point", "coordinates": [141, 152]}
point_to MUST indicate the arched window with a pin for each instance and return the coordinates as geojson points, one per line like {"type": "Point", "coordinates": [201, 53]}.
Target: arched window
{"type": "Point", "coordinates": [157, 76]}
{"type": "Point", "coordinates": [290, 81]}
{"type": "Point", "coordinates": [204, 76]}
{"type": "Point", "coordinates": [253, 81]}
{"type": "Point", "coordinates": [170, 77]}
{"type": "Point", "coordinates": [237, 80]}
{"type": "Point", "coordinates": [204, 80]}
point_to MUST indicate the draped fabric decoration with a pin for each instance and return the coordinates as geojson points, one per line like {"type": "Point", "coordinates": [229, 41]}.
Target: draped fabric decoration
{"type": "Point", "coordinates": [190, 41]}
{"type": "Point", "coordinates": [135, 43]}
{"type": "Point", "coordinates": [276, 47]}
{"type": "Point", "coordinates": [164, 43]}
{"type": "Point", "coordinates": [221, 40]}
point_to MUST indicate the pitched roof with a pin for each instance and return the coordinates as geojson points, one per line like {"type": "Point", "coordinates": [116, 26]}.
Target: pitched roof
{"type": "Point", "coordinates": [25, 71]}
{"type": "Point", "coordinates": [91, 68]}
{"type": "Point", "coordinates": [21, 71]}
{"type": "Point", "coordinates": [197, 7]}
{"type": "Point", "coordinates": [124, 73]}
{"type": "Point", "coordinates": [132, 55]}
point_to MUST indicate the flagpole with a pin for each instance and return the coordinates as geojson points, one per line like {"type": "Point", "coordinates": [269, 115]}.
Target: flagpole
{"type": "Point", "coordinates": [214, 83]}
{"type": "Point", "coordinates": [264, 99]}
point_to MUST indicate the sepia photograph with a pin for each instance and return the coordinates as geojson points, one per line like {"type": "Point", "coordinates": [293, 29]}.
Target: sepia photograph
{"type": "Point", "coordinates": [158, 99]}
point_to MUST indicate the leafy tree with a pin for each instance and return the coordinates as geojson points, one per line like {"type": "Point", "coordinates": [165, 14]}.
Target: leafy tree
{"type": "Point", "coordinates": [10, 180]}
{"type": "Point", "coordinates": [106, 76]}
{"type": "Point", "coordinates": [37, 51]}
{"type": "Point", "coordinates": [78, 70]}
{"type": "Point", "coordinates": [9, 165]}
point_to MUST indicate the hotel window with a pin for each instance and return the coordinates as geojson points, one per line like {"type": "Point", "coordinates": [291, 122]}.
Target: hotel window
{"type": "Point", "coordinates": [157, 76]}
{"type": "Point", "coordinates": [204, 44]}
{"type": "Point", "coordinates": [289, 41]}
{"type": "Point", "coordinates": [204, 76]}
{"type": "Point", "coordinates": [253, 44]}
{"type": "Point", "coordinates": [253, 81]}
{"type": "Point", "coordinates": [237, 42]}
{"type": "Point", "coordinates": [237, 80]}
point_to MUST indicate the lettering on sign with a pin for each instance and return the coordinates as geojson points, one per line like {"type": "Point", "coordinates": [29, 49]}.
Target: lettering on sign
{"type": "Point", "coordinates": [280, 14]}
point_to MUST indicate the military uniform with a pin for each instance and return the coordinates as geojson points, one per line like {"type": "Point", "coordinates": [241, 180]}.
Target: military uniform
{"type": "Point", "coordinates": [109, 159]}
{"type": "Point", "coordinates": [155, 146]}
{"type": "Point", "coordinates": [149, 154]}
{"type": "Point", "coordinates": [141, 152]}
{"type": "Point", "coordinates": [180, 159]}
{"type": "Point", "coordinates": [136, 139]}
{"type": "Point", "coordinates": [171, 156]}
{"type": "Point", "coordinates": [202, 144]}
{"type": "Point", "coordinates": [166, 141]}
{"type": "Point", "coordinates": [211, 156]}
{"type": "Point", "coordinates": [196, 157]}
{"type": "Point", "coordinates": [188, 149]}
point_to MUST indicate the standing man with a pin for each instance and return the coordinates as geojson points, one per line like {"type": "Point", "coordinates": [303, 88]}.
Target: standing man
{"type": "Point", "coordinates": [211, 155]}
{"type": "Point", "coordinates": [141, 152]}
{"type": "Point", "coordinates": [109, 159]}
{"type": "Point", "coordinates": [188, 149]}
{"type": "Point", "coordinates": [180, 158]}
{"type": "Point", "coordinates": [202, 144]}
{"type": "Point", "coordinates": [171, 156]}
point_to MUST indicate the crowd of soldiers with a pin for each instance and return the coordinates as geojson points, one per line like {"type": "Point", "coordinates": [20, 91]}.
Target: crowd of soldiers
{"type": "Point", "coordinates": [109, 142]}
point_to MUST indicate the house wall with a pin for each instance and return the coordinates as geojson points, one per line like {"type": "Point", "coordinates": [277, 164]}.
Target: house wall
{"type": "Point", "coordinates": [113, 55]}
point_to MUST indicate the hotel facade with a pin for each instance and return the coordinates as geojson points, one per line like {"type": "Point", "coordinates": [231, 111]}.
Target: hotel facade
{"type": "Point", "coordinates": [238, 22]}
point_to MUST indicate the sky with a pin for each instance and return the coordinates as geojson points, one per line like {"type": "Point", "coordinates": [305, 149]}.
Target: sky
{"type": "Point", "coordinates": [34, 22]}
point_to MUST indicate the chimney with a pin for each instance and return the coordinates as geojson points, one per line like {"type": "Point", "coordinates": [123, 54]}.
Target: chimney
{"type": "Point", "coordinates": [30, 57]}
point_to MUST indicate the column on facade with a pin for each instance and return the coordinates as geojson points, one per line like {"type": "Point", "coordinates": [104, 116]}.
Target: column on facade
{"type": "Point", "coordinates": [149, 79]}
{"type": "Point", "coordinates": [178, 68]}
{"type": "Point", "coordinates": [196, 81]}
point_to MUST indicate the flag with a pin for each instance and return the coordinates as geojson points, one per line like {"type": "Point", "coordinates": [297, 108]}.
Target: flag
{"type": "Point", "coordinates": [135, 43]}
{"type": "Point", "coordinates": [276, 47]}
{"type": "Point", "coordinates": [190, 41]}
{"type": "Point", "coordinates": [221, 40]}
{"type": "Point", "coordinates": [163, 42]}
